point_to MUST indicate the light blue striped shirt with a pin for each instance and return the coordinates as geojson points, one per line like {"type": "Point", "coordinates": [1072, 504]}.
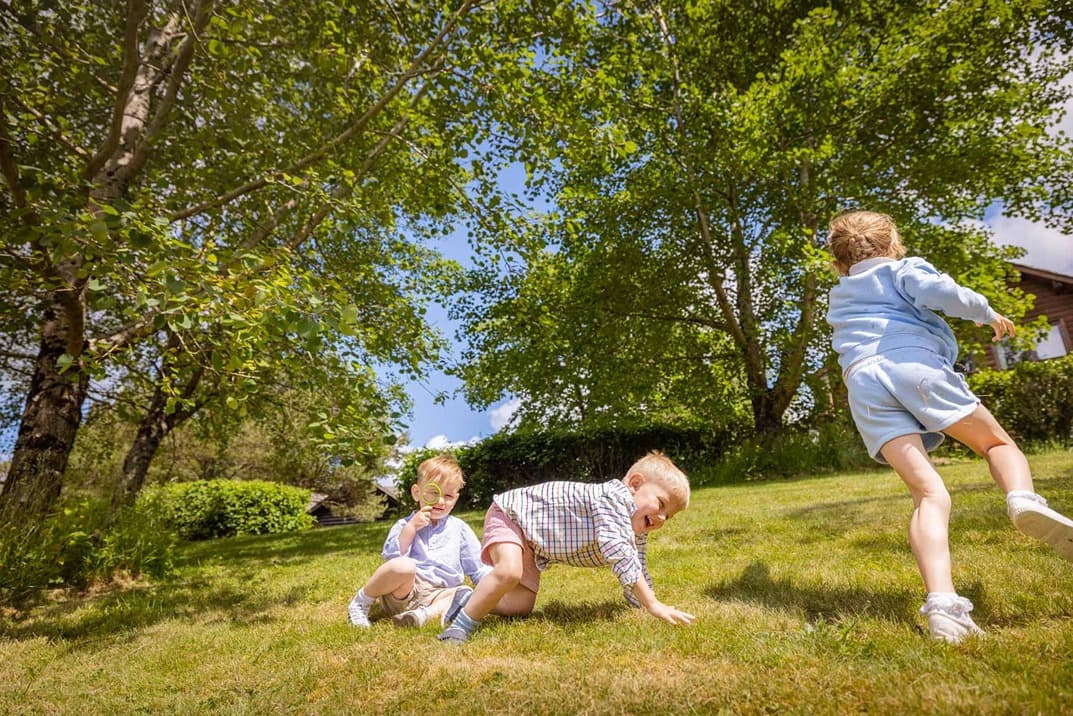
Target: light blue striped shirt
{"type": "Point", "coordinates": [446, 551]}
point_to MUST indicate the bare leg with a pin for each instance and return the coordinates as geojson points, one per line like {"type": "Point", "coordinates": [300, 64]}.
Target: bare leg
{"type": "Point", "coordinates": [1009, 468]}
{"type": "Point", "coordinates": [395, 577]}
{"type": "Point", "coordinates": [499, 590]}
{"type": "Point", "coordinates": [928, 527]}
{"type": "Point", "coordinates": [982, 433]}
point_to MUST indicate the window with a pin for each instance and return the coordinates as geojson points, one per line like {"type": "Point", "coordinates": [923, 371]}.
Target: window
{"type": "Point", "coordinates": [1053, 346]}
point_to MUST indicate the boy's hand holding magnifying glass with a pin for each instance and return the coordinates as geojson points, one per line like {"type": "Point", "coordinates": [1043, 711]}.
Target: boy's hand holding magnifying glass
{"type": "Point", "coordinates": [430, 496]}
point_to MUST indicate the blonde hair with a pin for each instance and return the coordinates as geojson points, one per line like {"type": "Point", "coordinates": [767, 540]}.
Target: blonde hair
{"type": "Point", "coordinates": [659, 468]}
{"type": "Point", "coordinates": [441, 469]}
{"type": "Point", "coordinates": [856, 236]}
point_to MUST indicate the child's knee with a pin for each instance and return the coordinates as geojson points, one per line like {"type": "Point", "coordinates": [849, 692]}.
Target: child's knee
{"type": "Point", "coordinates": [402, 565]}
{"type": "Point", "coordinates": [507, 573]}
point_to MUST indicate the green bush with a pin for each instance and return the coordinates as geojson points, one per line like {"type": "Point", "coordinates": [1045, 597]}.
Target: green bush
{"type": "Point", "coordinates": [508, 460]}
{"type": "Point", "coordinates": [1033, 400]}
{"type": "Point", "coordinates": [77, 544]}
{"type": "Point", "coordinates": [207, 509]}
{"type": "Point", "coordinates": [830, 447]}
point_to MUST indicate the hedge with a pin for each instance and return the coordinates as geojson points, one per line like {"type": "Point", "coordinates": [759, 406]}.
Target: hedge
{"type": "Point", "coordinates": [1032, 400]}
{"type": "Point", "coordinates": [207, 509]}
{"type": "Point", "coordinates": [508, 460]}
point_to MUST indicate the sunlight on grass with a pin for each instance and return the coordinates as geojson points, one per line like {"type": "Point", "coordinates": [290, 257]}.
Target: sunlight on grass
{"type": "Point", "coordinates": [805, 591]}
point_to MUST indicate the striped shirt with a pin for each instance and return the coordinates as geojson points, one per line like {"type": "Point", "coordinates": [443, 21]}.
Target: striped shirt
{"type": "Point", "coordinates": [580, 524]}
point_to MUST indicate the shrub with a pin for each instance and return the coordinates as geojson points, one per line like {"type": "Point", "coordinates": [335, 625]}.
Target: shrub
{"type": "Point", "coordinates": [1032, 400]}
{"type": "Point", "coordinates": [829, 447]}
{"type": "Point", "coordinates": [207, 509]}
{"type": "Point", "coordinates": [77, 544]}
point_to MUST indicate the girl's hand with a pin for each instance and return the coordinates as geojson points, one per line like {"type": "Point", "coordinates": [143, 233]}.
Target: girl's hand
{"type": "Point", "coordinates": [1002, 327]}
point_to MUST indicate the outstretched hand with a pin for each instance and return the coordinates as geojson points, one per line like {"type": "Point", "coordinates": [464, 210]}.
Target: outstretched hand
{"type": "Point", "coordinates": [1002, 327]}
{"type": "Point", "coordinates": [671, 615]}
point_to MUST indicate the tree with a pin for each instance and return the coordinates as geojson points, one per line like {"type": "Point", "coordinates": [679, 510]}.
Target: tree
{"type": "Point", "coordinates": [694, 153]}
{"type": "Point", "coordinates": [171, 167]}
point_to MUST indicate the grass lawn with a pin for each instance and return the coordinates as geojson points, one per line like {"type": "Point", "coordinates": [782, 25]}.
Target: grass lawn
{"type": "Point", "coordinates": [805, 592]}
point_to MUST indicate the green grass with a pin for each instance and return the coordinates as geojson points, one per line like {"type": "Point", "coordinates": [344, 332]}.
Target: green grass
{"type": "Point", "coordinates": [805, 593]}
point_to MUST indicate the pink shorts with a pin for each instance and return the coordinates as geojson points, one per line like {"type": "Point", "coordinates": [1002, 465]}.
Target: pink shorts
{"type": "Point", "coordinates": [499, 528]}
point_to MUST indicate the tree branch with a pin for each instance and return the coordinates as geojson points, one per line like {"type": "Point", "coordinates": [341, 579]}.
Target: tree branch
{"type": "Point", "coordinates": [176, 71]}
{"type": "Point", "coordinates": [414, 70]}
{"type": "Point", "coordinates": [137, 10]}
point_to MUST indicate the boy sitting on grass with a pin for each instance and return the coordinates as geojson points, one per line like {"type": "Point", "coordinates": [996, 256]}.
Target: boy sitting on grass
{"type": "Point", "coordinates": [585, 525]}
{"type": "Point", "coordinates": [427, 554]}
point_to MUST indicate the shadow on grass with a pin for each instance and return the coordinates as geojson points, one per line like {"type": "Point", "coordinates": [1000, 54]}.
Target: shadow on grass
{"type": "Point", "coordinates": [756, 586]}
{"type": "Point", "coordinates": [583, 613]}
{"type": "Point", "coordinates": [118, 611]}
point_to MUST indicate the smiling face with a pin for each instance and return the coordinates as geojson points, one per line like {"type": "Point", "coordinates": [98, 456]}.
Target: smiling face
{"type": "Point", "coordinates": [442, 502]}
{"type": "Point", "coordinates": [655, 504]}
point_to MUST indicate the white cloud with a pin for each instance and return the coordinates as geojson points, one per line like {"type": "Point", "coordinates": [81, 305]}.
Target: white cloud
{"type": "Point", "coordinates": [503, 416]}
{"type": "Point", "coordinates": [442, 442]}
{"type": "Point", "coordinates": [1047, 248]}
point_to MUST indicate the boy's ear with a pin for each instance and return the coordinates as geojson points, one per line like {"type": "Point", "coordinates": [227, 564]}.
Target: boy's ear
{"type": "Point", "coordinates": [415, 492]}
{"type": "Point", "coordinates": [634, 481]}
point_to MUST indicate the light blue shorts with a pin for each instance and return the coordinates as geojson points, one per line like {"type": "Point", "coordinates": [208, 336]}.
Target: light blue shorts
{"type": "Point", "coordinates": [909, 390]}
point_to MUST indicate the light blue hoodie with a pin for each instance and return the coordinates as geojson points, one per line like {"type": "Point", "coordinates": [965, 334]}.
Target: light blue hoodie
{"type": "Point", "coordinates": [885, 304]}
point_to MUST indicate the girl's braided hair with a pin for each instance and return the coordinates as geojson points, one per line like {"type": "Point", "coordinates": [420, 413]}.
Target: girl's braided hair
{"type": "Point", "coordinates": [855, 236]}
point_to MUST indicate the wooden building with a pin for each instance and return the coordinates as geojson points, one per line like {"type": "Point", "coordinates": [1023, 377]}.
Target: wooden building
{"type": "Point", "coordinates": [1054, 299]}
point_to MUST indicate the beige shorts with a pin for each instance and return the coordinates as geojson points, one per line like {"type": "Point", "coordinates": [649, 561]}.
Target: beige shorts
{"type": "Point", "coordinates": [434, 599]}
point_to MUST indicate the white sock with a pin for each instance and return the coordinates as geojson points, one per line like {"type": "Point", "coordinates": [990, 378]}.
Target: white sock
{"type": "Point", "coordinates": [1026, 494]}
{"type": "Point", "coordinates": [362, 599]}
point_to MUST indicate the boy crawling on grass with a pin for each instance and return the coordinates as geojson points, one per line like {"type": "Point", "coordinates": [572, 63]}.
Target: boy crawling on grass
{"type": "Point", "coordinates": [427, 554]}
{"type": "Point", "coordinates": [585, 525]}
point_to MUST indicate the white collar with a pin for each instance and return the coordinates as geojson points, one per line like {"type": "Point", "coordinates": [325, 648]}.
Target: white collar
{"type": "Point", "coordinates": [862, 266]}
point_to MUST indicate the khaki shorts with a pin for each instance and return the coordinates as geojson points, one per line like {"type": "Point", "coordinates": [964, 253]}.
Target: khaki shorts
{"type": "Point", "coordinates": [434, 599]}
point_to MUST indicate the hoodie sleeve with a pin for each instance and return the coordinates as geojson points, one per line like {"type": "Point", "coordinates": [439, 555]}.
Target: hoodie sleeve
{"type": "Point", "coordinates": [927, 287]}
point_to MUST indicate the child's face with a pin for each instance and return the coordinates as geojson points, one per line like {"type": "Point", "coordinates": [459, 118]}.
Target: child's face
{"type": "Point", "coordinates": [445, 502]}
{"type": "Point", "coordinates": [655, 505]}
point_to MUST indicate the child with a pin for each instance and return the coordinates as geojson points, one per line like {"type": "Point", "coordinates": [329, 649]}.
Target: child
{"type": "Point", "coordinates": [426, 553]}
{"type": "Point", "coordinates": [585, 525]}
{"type": "Point", "coordinates": [897, 359]}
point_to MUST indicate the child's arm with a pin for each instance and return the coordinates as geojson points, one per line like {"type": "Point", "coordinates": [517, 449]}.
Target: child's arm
{"type": "Point", "coordinates": [398, 543]}
{"type": "Point", "coordinates": [1002, 327]}
{"type": "Point", "coordinates": [656, 608]}
{"type": "Point", "coordinates": [932, 289]}
{"type": "Point", "coordinates": [470, 555]}
{"type": "Point", "coordinates": [619, 547]}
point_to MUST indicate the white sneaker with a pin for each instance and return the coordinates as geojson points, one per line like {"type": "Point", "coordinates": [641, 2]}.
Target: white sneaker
{"type": "Point", "coordinates": [1030, 514]}
{"type": "Point", "coordinates": [358, 613]}
{"type": "Point", "coordinates": [949, 620]}
{"type": "Point", "coordinates": [411, 618]}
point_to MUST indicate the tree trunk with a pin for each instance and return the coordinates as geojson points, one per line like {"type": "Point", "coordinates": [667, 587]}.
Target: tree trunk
{"type": "Point", "coordinates": [767, 414]}
{"type": "Point", "coordinates": [151, 432]}
{"type": "Point", "coordinates": [153, 428]}
{"type": "Point", "coordinates": [50, 420]}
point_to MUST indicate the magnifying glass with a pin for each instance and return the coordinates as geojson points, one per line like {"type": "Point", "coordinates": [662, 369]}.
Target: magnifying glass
{"type": "Point", "coordinates": [431, 494]}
